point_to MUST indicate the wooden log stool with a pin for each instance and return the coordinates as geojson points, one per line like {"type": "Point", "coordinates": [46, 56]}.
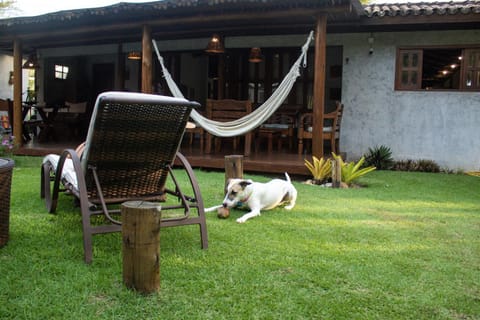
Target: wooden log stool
{"type": "Point", "coordinates": [141, 245]}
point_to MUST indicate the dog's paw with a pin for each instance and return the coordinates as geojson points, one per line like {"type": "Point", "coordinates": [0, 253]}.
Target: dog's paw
{"type": "Point", "coordinates": [240, 220]}
{"type": "Point", "coordinates": [289, 207]}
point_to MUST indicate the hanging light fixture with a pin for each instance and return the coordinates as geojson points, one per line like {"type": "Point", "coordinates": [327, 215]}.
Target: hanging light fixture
{"type": "Point", "coordinates": [134, 55]}
{"type": "Point", "coordinates": [215, 45]}
{"type": "Point", "coordinates": [255, 55]}
{"type": "Point", "coordinates": [31, 63]}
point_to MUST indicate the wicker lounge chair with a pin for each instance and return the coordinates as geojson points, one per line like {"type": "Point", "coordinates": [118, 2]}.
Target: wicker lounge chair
{"type": "Point", "coordinates": [131, 145]}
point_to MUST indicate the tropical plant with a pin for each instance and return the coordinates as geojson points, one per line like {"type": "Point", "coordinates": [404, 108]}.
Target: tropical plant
{"type": "Point", "coordinates": [352, 171]}
{"type": "Point", "coordinates": [379, 157]}
{"type": "Point", "coordinates": [321, 169]}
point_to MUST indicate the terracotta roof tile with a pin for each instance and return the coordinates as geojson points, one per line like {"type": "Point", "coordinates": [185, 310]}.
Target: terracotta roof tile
{"type": "Point", "coordinates": [422, 8]}
{"type": "Point", "coordinates": [168, 7]}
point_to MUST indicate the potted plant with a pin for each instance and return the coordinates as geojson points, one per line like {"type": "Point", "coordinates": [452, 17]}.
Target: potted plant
{"type": "Point", "coordinates": [6, 169]}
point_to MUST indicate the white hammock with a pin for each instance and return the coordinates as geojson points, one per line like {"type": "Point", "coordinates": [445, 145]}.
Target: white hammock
{"type": "Point", "coordinates": [255, 118]}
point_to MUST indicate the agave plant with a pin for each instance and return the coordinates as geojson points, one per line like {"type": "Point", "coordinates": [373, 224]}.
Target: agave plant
{"type": "Point", "coordinates": [380, 157]}
{"type": "Point", "coordinates": [351, 170]}
{"type": "Point", "coordinates": [321, 169]}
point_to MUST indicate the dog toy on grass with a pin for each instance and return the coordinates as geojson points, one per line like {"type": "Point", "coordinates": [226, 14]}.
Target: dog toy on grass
{"type": "Point", "coordinates": [223, 213]}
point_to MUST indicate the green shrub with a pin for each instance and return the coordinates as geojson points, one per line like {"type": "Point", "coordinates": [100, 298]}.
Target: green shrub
{"type": "Point", "coordinates": [379, 157]}
{"type": "Point", "coordinates": [422, 165]}
{"type": "Point", "coordinates": [405, 165]}
{"type": "Point", "coordinates": [428, 166]}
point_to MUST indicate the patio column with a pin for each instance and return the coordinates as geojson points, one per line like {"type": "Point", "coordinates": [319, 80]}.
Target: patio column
{"type": "Point", "coordinates": [147, 71]}
{"type": "Point", "coordinates": [17, 92]}
{"type": "Point", "coordinates": [319, 85]}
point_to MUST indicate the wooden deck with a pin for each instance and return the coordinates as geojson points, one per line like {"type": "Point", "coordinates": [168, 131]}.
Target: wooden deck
{"type": "Point", "coordinates": [258, 162]}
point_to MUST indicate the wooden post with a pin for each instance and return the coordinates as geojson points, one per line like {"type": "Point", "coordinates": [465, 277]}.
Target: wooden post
{"type": "Point", "coordinates": [141, 245]}
{"type": "Point", "coordinates": [233, 168]}
{"type": "Point", "coordinates": [17, 92]}
{"type": "Point", "coordinates": [319, 86]}
{"type": "Point", "coordinates": [336, 173]}
{"type": "Point", "coordinates": [147, 65]}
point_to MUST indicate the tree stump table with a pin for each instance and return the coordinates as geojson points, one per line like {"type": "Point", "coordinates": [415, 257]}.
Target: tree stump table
{"type": "Point", "coordinates": [141, 245]}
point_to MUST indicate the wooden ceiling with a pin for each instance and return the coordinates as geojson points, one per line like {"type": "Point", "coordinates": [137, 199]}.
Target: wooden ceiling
{"type": "Point", "coordinates": [172, 19]}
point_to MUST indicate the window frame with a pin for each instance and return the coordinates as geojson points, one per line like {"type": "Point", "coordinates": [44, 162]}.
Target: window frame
{"type": "Point", "coordinates": [420, 49]}
{"type": "Point", "coordinates": [63, 72]}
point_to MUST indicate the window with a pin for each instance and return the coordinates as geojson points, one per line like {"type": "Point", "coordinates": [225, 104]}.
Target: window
{"type": "Point", "coordinates": [472, 69]}
{"type": "Point", "coordinates": [61, 72]}
{"type": "Point", "coordinates": [438, 69]}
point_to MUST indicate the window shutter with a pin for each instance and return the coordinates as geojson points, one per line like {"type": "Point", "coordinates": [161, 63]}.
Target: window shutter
{"type": "Point", "coordinates": [409, 69]}
{"type": "Point", "coordinates": [471, 74]}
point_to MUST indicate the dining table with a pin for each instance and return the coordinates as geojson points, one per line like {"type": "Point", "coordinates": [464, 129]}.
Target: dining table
{"type": "Point", "coordinates": [39, 119]}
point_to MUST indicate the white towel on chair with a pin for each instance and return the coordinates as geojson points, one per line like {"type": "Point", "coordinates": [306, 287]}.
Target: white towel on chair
{"type": "Point", "coordinates": [68, 172]}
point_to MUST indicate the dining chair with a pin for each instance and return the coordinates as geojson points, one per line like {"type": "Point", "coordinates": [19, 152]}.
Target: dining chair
{"type": "Point", "coordinates": [331, 128]}
{"type": "Point", "coordinates": [225, 110]}
{"type": "Point", "coordinates": [278, 128]}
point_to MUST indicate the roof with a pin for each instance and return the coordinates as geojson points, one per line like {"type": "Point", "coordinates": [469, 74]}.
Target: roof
{"type": "Point", "coordinates": [176, 19]}
{"type": "Point", "coordinates": [422, 8]}
{"type": "Point", "coordinates": [181, 7]}
{"type": "Point", "coordinates": [173, 19]}
{"type": "Point", "coordinates": [422, 16]}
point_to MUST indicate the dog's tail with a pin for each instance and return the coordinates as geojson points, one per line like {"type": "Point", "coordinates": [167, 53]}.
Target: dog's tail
{"type": "Point", "coordinates": [287, 177]}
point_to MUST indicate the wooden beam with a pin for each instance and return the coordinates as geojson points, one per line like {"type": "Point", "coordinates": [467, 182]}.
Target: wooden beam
{"type": "Point", "coordinates": [147, 72]}
{"type": "Point", "coordinates": [287, 16]}
{"type": "Point", "coordinates": [17, 92]}
{"type": "Point", "coordinates": [86, 39]}
{"type": "Point", "coordinates": [319, 85]}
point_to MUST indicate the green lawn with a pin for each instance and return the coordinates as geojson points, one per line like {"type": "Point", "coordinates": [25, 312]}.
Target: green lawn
{"type": "Point", "coordinates": [407, 246]}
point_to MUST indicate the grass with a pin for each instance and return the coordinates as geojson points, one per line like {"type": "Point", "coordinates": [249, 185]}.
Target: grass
{"type": "Point", "coordinates": [405, 247]}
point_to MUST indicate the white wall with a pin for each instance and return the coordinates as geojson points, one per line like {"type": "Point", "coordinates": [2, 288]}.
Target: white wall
{"type": "Point", "coordinates": [6, 89]}
{"type": "Point", "coordinates": [440, 126]}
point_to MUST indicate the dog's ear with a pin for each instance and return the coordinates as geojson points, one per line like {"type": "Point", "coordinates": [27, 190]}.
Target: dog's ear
{"type": "Point", "coordinates": [245, 183]}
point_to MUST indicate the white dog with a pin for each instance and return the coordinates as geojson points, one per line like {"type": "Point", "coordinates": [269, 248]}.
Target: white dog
{"type": "Point", "coordinates": [258, 196]}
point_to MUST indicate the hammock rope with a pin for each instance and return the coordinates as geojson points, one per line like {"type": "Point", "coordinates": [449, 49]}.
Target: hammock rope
{"type": "Point", "coordinates": [258, 116]}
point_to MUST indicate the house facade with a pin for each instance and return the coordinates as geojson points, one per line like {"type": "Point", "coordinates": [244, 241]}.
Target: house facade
{"type": "Point", "coordinates": [436, 124]}
{"type": "Point", "coordinates": [395, 67]}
